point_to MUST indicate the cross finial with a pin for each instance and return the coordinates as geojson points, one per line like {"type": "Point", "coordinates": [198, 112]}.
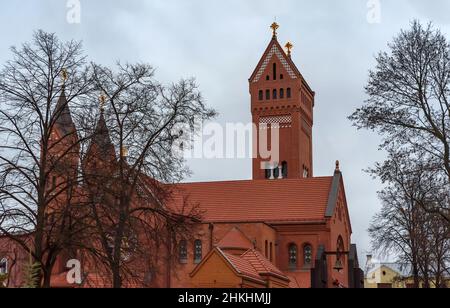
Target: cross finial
{"type": "Point", "coordinates": [64, 75]}
{"type": "Point", "coordinates": [289, 47]}
{"type": "Point", "coordinates": [338, 166]}
{"type": "Point", "coordinates": [102, 102]}
{"type": "Point", "coordinates": [274, 28]}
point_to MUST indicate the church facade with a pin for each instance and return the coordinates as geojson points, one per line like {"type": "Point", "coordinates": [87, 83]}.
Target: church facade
{"type": "Point", "coordinates": [284, 228]}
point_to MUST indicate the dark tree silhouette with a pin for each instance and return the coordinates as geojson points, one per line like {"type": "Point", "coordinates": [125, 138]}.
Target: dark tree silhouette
{"type": "Point", "coordinates": [408, 103]}
{"type": "Point", "coordinates": [39, 145]}
{"type": "Point", "coordinates": [129, 164]}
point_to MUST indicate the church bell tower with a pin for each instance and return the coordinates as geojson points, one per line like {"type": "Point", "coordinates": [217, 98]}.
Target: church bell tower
{"type": "Point", "coordinates": [281, 97]}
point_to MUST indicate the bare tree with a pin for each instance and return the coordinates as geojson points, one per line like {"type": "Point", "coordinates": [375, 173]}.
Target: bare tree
{"type": "Point", "coordinates": [403, 227]}
{"type": "Point", "coordinates": [130, 162]}
{"type": "Point", "coordinates": [39, 145]}
{"type": "Point", "coordinates": [409, 104]}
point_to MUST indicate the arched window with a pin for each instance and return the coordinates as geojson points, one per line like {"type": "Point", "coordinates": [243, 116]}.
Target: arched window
{"type": "Point", "coordinates": [183, 253]}
{"type": "Point", "coordinates": [274, 71]}
{"type": "Point", "coordinates": [293, 252]}
{"type": "Point", "coordinates": [4, 266]}
{"type": "Point", "coordinates": [268, 174]}
{"type": "Point", "coordinates": [267, 78]}
{"type": "Point", "coordinates": [275, 94]}
{"type": "Point", "coordinates": [288, 93]}
{"type": "Point", "coordinates": [267, 94]}
{"type": "Point", "coordinates": [285, 170]}
{"type": "Point", "coordinates": [276, 172]}
{"type": "Point", "coordinates": [281, 76]}
{"type": "Point", "coordinates": [198, 251]}
{"type": "Point", "coordinates": [307, 255]}
{"type": "Point", "coordinates": [261, 95]}
{"type": "Point", "coordinates": [281, 93]}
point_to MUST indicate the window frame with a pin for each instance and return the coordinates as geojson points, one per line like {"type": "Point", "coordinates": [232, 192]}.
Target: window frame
{"type": "Point", "coordinates": [183, 252]}
{"type": "Point", "coordinates": [198, 251]}
{"type": "Point", "coordinates": [293, 253]}
{"type": "Point", "coordinates": [305, 263]}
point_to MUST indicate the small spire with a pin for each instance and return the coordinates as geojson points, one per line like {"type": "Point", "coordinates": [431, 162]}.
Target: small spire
{"type": "Point", "coordinates": [275, 26]}
{"type": "Point", "coordinates": [289, 47]}
{"type": "Point", "coordinates": [338, 166]}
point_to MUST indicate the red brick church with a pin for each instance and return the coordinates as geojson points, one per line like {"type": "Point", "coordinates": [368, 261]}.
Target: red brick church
{"type": "Point", "coordinates": [284, 228]}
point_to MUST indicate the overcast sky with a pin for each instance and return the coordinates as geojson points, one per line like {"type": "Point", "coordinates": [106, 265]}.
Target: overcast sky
{"type": "Point", "coordinates": [220, 43]}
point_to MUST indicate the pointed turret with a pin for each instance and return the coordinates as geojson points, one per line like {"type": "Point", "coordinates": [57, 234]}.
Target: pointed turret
{"type": "Point", "coordinates": [101, 154]}
{"type": "Point", "coordinates": [63, 118]}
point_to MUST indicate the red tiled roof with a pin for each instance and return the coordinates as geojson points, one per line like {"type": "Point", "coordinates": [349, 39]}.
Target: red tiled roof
{"type": "Point", "coordinates": [235, 239]}
{"type": "Point", "coordinates": [260, 201]}
{"type": "Point", "coordinates": [253, 264]}
{"type": "Point", "coordinates": [243, 266]}
{"type": "Point", "coordinates": [261, 264]}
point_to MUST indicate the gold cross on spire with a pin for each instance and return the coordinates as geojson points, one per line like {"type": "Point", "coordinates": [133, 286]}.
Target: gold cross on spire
{"type": "Point", "coordinates": [274, 28]}
{"type": "Point", "coordinates": [102, 102]}
{"type": "Point", "coordinates": [64, 75]}
{"type": "Point", "coordinates": [289, 47]}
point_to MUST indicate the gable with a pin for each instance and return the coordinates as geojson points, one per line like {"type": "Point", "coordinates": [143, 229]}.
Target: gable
{"type": "Point", "coordinates": [337, 194]}
{"type": "Point", "coordinates": [274, 50]}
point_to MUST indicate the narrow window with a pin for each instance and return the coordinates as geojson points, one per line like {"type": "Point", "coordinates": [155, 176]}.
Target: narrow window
{"type": "Point", "coordinates": [275, 94]}
{"type": "Point", "coordinates": [281, 93]}
{"type": "Point", "coordinates": [274, 71]}
{"type": "Point", "coordinates": [4, 266]}
{"type": "Point", "coordinates": [276, 172]}
{"type": "Point", "coordinates": [261, 95]}
{"type": "Point", "coordinates": [266, 250]}
{"type": "Point", "coordinates": [271, 252]}
{"type": "Point", "coordinates": [307, 255]}
{"type": "Point", "coordinates": [285, 170]}
{"type": "Point", "coordinates": [198, 251]}
{"type": "Point", "coordinates": [268, 173]}
{"type": "Point", "coordinates": [182, 253]}
{"type": "Point", "coordinates": [267, 94]}
{"type": "Point", "coordinates": [293, 256]}
{"type": "Point", "coordinates": [289, 94]}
